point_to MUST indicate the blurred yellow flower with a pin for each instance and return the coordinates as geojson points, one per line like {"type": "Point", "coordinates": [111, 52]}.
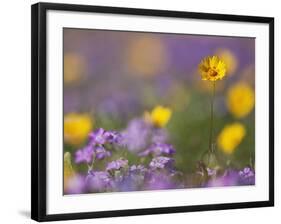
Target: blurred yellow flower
{"type": "Point", "coordinates": [159, 116]}
{"type": "Point", "coordinates": [212, 68]}
{"type": "Point", "coordinates": [230, 137]}
{"type": "Point", "coordinates": [76, 128]}
{"type": "Point", "coordinates": [240, 99]}
{"type": "Point", "coordinates": [229, 58]}
{"type": "Point", "coordinates": [146, 56]}
{"type": "Point", "coordinates": [74, 68]}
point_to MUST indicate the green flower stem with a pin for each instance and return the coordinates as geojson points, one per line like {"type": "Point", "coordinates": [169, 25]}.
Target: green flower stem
{"type": "Point", "coordinates": [211, 140]}
{"type": "Point", "coordinates": [90, 167]}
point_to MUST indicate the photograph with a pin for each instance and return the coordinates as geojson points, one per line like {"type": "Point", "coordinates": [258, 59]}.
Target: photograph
{"type": "Point", "coordinates": [140, 112]}
{"type": "Point", "coordinates": [145, 111]}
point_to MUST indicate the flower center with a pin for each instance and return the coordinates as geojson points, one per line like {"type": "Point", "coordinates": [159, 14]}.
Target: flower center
{"type": "Point", "coordinates": [212, 72]}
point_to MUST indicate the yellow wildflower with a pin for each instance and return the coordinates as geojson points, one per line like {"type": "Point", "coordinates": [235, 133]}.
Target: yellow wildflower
{"type": "Point", "coordinates": [159, 116]}
{"type": "Point", "coordinates": [229, 58]}
{"type": "Point", "coordinates": [230, 137]}
{"type": "Point", "coordinates": [76, 128]}
{"type": "Point", "coordinates": [212, 68]}
{"type": "Point", "coordinates": [240, 99]}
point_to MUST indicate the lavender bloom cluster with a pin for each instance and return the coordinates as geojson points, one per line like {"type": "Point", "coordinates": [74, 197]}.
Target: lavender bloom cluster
{"type": "Point", "coordinates": [231, 177]}
{"type": "Point", "coordinates": [140, 134]}
{"type": "Point", "coordinates": [95, 149]}
{"type": "Point", "coordinates": [154, 170]}
{"type": "Point", "coordinates": [118, 174]}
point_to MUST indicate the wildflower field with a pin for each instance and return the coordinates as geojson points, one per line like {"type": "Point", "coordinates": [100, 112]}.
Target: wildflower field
{"type": "Point", "coordinates": [151, 111]}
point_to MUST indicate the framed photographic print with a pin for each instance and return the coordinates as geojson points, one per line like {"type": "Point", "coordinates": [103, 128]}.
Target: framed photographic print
{"type": "Point", "coordinates": [139, 111]}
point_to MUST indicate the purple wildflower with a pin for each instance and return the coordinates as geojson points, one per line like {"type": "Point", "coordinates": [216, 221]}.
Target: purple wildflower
{"type": "Point", "coordinates": [229, 178]}
{"type": "Point", "coordinates": [120, 140]}
{"type": "Point", "coordinates": [158, 149]}
{"type": "Point", "coordinates": [116, 138]}
{"type": "Point", "coordinates": [140, 133]}
{"type": "Point", "coordinates": [100, 152]}
{"type": "Point", "coordinates": [116, 164]}
{"type": "Point", "coordinates": [99, 181]}
{"type": "Point", "coordinates": [234, 178]}
{"type": "Point", "coordinates": [98, 137]}
{"type": "Point", "coordinates": [161, 162]}
{"type": "Point", "coordinates": [84, 155]}
{"type": "Point", "coordinates": [137, 169]}
{"type": "Point", "coordinates": [247, 176]}
{"type": "Point", "coordinates": [136, 135]}
{"type": "Point", "coordinates": [132, 180]}
{"type": "Point", "coordinates": [111, 136]}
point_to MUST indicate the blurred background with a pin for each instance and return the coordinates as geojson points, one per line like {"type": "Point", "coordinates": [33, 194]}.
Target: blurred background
{"type": "Point", "coordinates": [113, 77]}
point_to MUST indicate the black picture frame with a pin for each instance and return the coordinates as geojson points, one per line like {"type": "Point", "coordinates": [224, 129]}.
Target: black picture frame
{"type": "Point", "coordinates": [39, 108]}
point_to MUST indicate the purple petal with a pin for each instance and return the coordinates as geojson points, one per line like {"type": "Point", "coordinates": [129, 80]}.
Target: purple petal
{"type": "Point", "coordinates": [158, 149]}
{"type": "Point", "coordinates": [161, 162]}
{"type": "Point", "coordinates": [97, 137]}
{"type": "Point", "coordinates": [99, 181]}
{"type": "Point", "coordinates": [117, 164]}
{"type": "Point", "coordinates": [84, 155]}
{"type": "Point", "coordinates": [101, 153]}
